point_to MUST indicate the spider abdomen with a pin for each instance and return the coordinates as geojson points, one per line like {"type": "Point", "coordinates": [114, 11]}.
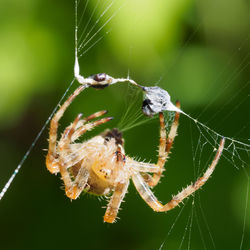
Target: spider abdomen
{"type": "Point", "coordinates": [97, 185]}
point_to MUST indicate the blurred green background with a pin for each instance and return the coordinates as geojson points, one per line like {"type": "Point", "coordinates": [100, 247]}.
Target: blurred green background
{"type": "Point", "coordinates": [197, 50]}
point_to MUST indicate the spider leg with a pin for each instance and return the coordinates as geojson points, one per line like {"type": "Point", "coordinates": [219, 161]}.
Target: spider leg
{"type": "Point", "coordinates": [164, 147]}
{"type": "Point", "coordinates": [67, 134]}
{"type": "Point", "coordinates": [51, 158]}
{"type": "Point", "coordinates": [87, 127]}
{"type": "Point", "coordinates": [115, 202]}
{"type": "Point", "coordinates": [81, 122]}
{"type": "Point", "coordinates": [95, 115]}
{"type": "Point", "coordinates": [74, 188]}
{"type": "Point", "coordinates": [142, 166]}
{"type": "Point", "coordinates": [148, 196]}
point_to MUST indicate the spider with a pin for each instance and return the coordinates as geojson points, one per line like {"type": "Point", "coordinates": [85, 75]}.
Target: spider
{"type": "Point", "coordinates": [100, 165]}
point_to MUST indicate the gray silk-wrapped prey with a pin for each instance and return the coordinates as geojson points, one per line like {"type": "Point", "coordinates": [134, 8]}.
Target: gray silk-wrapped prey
{"type": "Point", "coordinates": [157, 100]}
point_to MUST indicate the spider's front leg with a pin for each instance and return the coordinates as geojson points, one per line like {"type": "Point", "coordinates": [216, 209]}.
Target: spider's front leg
{"type": "Point", "coordinates": [52, 156]}
{"type": "Point", "coordinates": [78, 128]}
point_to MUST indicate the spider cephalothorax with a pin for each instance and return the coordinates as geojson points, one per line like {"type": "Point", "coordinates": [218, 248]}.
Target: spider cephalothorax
{"type": "Point", "coordinates": [116, 134]}
{"type": "Point", "coordinates": [100, 165]}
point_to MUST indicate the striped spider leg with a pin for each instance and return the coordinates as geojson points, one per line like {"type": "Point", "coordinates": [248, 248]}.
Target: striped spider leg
{"type": "Point", "coordinates": [165, 146]}
{"type": "Point", "coordinates": [148, 196]}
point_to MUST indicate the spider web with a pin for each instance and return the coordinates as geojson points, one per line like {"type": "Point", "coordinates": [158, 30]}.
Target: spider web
{"type": "Point", "coordinates": [191, 221]}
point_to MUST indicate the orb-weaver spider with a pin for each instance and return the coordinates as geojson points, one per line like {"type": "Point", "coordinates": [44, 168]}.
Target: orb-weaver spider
{"type": "Point", "coordinates": [100, 166]}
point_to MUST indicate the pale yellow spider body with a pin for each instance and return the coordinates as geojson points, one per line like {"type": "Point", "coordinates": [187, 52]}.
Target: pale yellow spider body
{"type": "Point", "coordinates": [101, 160]}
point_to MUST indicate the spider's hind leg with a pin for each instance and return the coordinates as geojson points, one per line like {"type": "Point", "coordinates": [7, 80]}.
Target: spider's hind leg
{"type": "Point", "coordinates": [115, 202]}
{"type": "Point", "coordinates": [79, 184]}
{"type": "Point", "coordinates": [148, 196]}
